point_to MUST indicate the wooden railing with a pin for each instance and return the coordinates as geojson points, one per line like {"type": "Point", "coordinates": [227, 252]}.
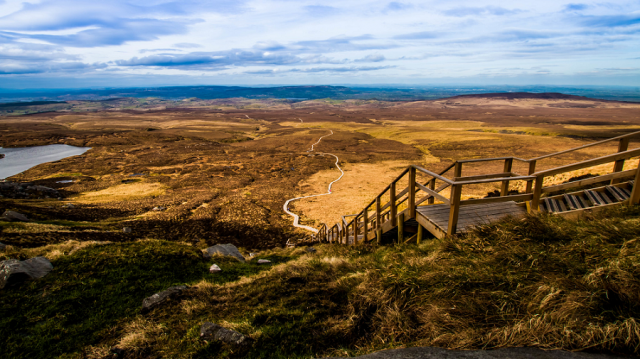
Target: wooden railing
{"type": "Point", "coordinates": [391, 208]}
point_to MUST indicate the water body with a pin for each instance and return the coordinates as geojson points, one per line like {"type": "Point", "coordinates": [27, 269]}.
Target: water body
{"type": "Point", "coordinates": [18, 160]}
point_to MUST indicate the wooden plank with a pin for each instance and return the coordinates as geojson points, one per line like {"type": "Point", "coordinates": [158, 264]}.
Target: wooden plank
{"type": "Point", "coordinates": [588, 181]}
{"type": "Point", "coordinates": [516, 197]}
{"type": "Point", "coordinates": [438, 232]}
{"type": "Point", "coordinates": [443, 208]}
{"type": "Point", "coordinates": [491, 175]}
{"type": "Point", "coordinates": [590, 163]}
{"type": "Point", "coordinates": [411, 238]}
{"type": "Point", "coordinates": [433, 193]}
{"type": "Point", "coordinates": [433, 174]}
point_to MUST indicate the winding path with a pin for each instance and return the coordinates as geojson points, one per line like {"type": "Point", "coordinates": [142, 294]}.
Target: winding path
{"type": "Point", "coordinates": [296, 218]}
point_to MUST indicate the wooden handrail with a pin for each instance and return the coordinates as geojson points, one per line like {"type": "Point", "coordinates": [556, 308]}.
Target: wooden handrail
{"type": "Point", "coordinates": [588, 181]}
{"type": "Point", "coordinates": [589, 163]}
{"type": "Point", "coordinates": [585, 146]}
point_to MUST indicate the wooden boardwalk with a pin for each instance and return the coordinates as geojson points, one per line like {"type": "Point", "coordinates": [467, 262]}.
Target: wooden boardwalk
{"type": "Point", "coordinates": [410, 206]}
{"type": "Point", "coordinates": [435, 218]}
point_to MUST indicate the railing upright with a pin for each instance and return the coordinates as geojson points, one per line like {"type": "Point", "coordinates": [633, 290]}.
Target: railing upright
{"type": "Point", "coordinates": [454, 210]}
{"type": "Point", "coordinates": [392, 202]}
{"type": "Point", "coordinates": [532, 170]}
{"type": "Point", "coordinates": [508, 165]}
{"type": "Point", "coordinates": [412, 193]}
{"type": "Point", "coordinates": [623, 145]}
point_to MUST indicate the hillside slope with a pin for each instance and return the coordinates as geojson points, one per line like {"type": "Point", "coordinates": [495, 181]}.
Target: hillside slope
{"type": "Point", "coordinates": [541, 281]}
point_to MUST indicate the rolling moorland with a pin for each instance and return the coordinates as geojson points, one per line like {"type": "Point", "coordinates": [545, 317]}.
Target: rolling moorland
{"type": "Point", "coordinates": [221, 169]}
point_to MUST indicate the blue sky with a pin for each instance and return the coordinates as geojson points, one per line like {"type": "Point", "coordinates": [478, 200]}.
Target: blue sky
{"type": "Point", "coordinates": [80, 43]}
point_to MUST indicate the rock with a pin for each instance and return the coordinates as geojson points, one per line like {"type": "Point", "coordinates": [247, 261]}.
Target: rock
{"type": "Point", "coordinates": [158, 209]}
{"type": "Point", "coordinates": [15, 216]}
{"type": "Point", "coordinates": [126, 229]}
{"type": "Point", "coordinates": [211, 331]}
{"type": "Point", "coordinates": [2, 246]}
{"type": "Point", "coordinates": [263, 261]}
{"type": "Point", "coordinates": [224, 249]}
{"type": "Point", "coordinates": [159, 298]}
{"type": "Point", "coordinates": [68, 205]}
{"type": "Point", "coordinates": [13, 271]}
{"type": "Point", "coordinates": [253, 254]}
{"type": "Point", "coordinates": [214, 269]}
{"type": "Point", "coordinates": [503, 353]}
{"type": "Point", "coordinates": [311, 250]}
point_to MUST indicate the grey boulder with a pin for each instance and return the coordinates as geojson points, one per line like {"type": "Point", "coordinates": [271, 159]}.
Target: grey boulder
{"type": "Point", "coordinates": [211, 331]}
{"type": "Point", "coordinates": [263, 261]}
{"type": "Point", "coordinates": [225, 250]}
{"type": "Point", "coordinates": [13, 271]}
{"type": "Point", "coordinates": [15, 216]}
{"type": "Point", "coordinates": [157, 299]}
{"type": "Point", "coordinates": [504, 353]}
{"type": "Point", "coordinates": [215, 269]}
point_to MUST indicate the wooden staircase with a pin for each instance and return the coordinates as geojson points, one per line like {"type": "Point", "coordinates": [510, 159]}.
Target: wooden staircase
{"type": "Point", "coordinates": [422, 207]}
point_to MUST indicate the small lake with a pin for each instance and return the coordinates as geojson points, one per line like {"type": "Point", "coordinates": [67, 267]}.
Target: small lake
{"type": "Point", "coordinates": [18, 160]}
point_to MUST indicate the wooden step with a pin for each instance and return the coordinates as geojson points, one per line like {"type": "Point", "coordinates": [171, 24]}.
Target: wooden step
{"type": "Point", "coordinates": [575, 202]}
{"type": "Point", "coordinates": [597, 198]}
{"type": "Point", "coordinates": [553, 205]}
{"type": "Point", "coordinates": [618, 193]}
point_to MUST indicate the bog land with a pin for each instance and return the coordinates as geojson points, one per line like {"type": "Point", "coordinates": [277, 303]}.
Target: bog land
{"type": "Point", "coordinates": [185, 177]}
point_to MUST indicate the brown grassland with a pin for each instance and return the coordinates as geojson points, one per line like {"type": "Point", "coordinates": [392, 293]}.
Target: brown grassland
{"type": "Point", "coordinates": [224, 172]}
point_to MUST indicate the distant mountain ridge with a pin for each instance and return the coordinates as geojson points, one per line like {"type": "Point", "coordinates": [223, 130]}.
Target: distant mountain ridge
{"type": "Point", "coordinates": [313, 92]}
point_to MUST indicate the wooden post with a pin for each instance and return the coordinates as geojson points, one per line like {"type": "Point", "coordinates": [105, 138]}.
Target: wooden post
{"type": "Point", "coordinates": [508, 164]}
{"type": "Point", "coordinates": [537, 192]}
{"type": "Point", "coordinates": [623, 145]}
{"type": "Point", "coordinates": [345, 234]}
{"type": "Point", "coordinates": [365, 225]}
{"type": "Point", "coordinates": [401, 228]}
{"type": "Point", "coordinates": [393, 210]}
{"type": "Point", "coordinates": [635, 192]}
{"type": "Point", "coordinates": [457, 170]}
{"type": "Point", "coordinates": [378, 217]}
{"type": "Point", "coordinates": [532, 170]}
{"type": "Point", "coordinates": [355, 230]}
{"type": "Point", "coordinates": [412, 192]}
{"type": "Point", "coordinates": [379, 236]}
{"type": "Point", "coordinates": [432, 186]}
{"type": "Point", "coordinates": [456, 191]}
{"type": "Point", "coordinates": [419, 238]}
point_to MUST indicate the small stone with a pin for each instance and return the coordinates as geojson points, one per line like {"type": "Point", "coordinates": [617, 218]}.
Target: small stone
{"type": "Point", "coordinates": [68, 205]}
{"type": "Point", "coordinates": [15, 216]}
{"type": "Point", "coordinates": [215, 269]}
{"type": "Point", "coordinates": [159, 298]}
{"type": "Point", "coordinates": [263, 261]}
{"type": "Point", "coordinates": [211, 331]}
{"type": "Point", "coordinates": [253, 254]}
{"type": "Point", "coordinates": [224, 249]}
{"type": "Point", "coordinates": [311, 250]}
{"type": "Point", "coordinates": [158, 209]}
{"type": "Point", "coordinates": [13, 271]}
{"type": "Point", "coordinates": [126, 229]}
{"type": "Point", "coordinates": [2, 246]}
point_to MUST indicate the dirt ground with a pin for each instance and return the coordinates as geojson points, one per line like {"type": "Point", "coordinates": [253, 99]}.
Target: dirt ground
{"type": "Point", "coordinates": [224, 174]}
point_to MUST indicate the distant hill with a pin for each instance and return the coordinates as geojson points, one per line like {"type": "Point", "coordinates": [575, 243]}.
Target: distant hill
{"type": "Point", "coordinates": [528, 95]}
{"type": "Point", "coordinates": [312, 92]}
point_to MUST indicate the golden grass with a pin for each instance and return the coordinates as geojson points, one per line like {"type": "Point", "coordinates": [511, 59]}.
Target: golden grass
{"type": "Point", "coordinates": [122, 192]}
{"type": "Point", "coordinates": [360, 184]}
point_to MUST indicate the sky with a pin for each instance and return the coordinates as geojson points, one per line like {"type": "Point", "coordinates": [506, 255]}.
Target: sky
{"type": "Point", "coordinates": [119, 43]}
